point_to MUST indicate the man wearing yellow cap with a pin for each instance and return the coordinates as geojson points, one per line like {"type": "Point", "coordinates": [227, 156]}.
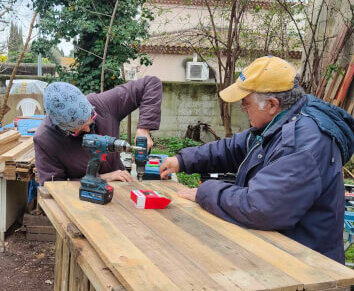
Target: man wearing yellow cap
{"type": "Point", "coordinates": [288, 164]}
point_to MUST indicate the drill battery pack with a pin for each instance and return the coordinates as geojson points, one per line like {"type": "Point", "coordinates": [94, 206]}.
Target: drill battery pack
{"type": "Point", "coordinates": [152, 167]}
{"type": "Point", "coordinates": [100, 193]}
{"type": "Point", "coordinates": [148, 199]}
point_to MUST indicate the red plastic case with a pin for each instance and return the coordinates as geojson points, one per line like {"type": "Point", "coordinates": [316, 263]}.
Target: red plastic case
{"type": "Point", "coordinates": [148, 199]}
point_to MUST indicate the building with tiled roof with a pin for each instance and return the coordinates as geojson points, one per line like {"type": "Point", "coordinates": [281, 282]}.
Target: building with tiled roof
{"type": "Point", "coordinates": [176, 34]}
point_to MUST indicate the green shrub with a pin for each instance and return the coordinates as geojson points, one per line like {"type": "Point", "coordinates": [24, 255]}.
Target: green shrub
{"type": "Point", "coordinates": [191, 181]}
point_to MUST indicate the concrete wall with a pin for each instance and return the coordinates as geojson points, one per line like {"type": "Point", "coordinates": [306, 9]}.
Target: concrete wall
{"type": "Point", "coordinates": [186, 103]}
{"type": "Point", "coordinates": [170, 68]}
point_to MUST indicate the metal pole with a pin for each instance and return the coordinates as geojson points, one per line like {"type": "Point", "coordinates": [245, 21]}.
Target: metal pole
{"type": "Point", "coordinates": [39, 60]}
{"type": "Point", "coordinates": [129, 129]}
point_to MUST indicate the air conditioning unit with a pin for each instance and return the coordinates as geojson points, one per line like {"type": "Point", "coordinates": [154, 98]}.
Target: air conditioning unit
{"type": "Point", "coordinates": [197, 71]}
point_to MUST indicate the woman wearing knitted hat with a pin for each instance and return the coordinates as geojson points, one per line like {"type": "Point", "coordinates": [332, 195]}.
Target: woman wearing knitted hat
{"type": "Point", "coordinates": [70, 114]}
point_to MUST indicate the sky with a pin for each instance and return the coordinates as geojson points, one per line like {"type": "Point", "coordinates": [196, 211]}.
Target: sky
{"type": "Point", "coordinates": [22, 17]}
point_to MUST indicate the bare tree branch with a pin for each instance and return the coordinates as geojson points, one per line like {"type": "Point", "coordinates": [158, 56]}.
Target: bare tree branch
{"type": "Point", "coordinates": [4, 107]}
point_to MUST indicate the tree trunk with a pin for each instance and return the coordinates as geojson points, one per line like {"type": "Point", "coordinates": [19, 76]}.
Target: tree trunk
{"type": "Point", "coordinates": [227, 119]}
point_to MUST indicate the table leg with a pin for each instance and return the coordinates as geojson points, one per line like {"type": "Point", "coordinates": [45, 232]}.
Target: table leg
{"type": "Point", "coordinates": [2, 214]}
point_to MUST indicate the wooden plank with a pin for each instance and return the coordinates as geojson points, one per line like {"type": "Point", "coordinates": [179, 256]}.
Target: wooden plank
{"type": "Point", "coordinates": [8, 146]}
{"type": "Point", "coordinates": [176, 231]}
{"type": "Point", "coordinates": [18, 150]}
{"type": "Point", "coordinates": [342, 92]}
{"type": "Point", "coordinates": [342, 274]}
{"type": "Point", "coordinates": [331, 56]}
{"type": "Point", "coordinates": [178, 263]}
{"type": "Point", "coordinates": [9, 136]}
{"type": "Point", "coordinates": [333, 88]}
{"type": "Point", "coordinates": [310, 275]}
{"type": "Point", "coordinates": [99, 275]}
{"type": "Point", "coordinates": [58, 263]}
{"type": "Point", "coordinates": [74, 273]}
{"type": "Point", "coordinates": [40, 236]}
{"type": "Point", "coordinates": [185, 260]}
{"type": "Point", "coordinates": [36, 220]}
{"type": "Point", "coordinates": [131, 267]}
{"type": "Point", "coordinates": [204, 247]}
{"type": "Point", "coordinates": [26, 158]}
{"type": "Point", "coordinates": [65, 272]}
{"type": "Point", "coordinates": [29, 117]}
{"type": "Point", "coordinates": [41, 229]}
{"type": "Point", "coordinates": [83, 282]}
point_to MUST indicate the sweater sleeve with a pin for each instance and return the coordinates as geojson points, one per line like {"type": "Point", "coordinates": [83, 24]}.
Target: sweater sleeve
{"type": "Point", "coordinates": [145, 94]}
{"type": "Point", "coordinates": [48, 168]}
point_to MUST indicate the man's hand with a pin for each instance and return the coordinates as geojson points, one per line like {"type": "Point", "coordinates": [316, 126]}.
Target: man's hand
{"type": "Point", "coordinates": [144, 132]}
{"type": "Point", "coordinates": [118, 175]}
{"type": "Point", "coordinates": [169, 166]}
{"type": "Point", "coordinates": [189, 194]}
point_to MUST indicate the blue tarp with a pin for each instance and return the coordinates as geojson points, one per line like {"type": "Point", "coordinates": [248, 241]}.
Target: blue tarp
{"type": "Point", "coordinates": [23, 125]}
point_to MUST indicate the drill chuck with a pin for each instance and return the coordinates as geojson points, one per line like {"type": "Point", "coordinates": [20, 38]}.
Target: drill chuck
{"type": "Point", "coordinates": [123, 146]}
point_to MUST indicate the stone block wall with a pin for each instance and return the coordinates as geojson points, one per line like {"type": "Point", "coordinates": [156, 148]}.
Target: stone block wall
{"type": "Point", "coordinates": [186, 103]}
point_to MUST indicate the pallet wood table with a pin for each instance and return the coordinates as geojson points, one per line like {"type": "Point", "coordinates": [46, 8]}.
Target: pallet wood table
{"type": "Point", "coordinates": [183, 247]}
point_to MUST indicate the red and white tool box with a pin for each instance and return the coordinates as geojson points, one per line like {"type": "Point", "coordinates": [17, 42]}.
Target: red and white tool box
{"type": "Point", "coordinates": [148, 199]}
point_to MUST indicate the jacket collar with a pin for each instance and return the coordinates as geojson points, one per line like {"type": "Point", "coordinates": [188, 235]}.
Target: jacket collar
{"type": "Point", "coordinates": [279, 120]}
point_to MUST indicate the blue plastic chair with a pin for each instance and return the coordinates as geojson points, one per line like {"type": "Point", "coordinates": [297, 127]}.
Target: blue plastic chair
{"type": "Point", "coordinates": [349, 227]}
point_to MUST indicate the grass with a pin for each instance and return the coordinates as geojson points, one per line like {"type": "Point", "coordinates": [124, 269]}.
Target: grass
{"type": "Point", "coordinates": [349, 254]}
{"type": "Point", "coordinates": [349, 181]}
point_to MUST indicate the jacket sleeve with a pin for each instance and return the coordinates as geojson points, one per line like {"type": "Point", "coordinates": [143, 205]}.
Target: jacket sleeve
{"type": "Point", "coordinates": [145, 93]}
{"type": "Point", "coordinates": [276, 197]}
{"type": "Point", "coordinates": [220, 156]}
{"type": "Point", "coordinates": [48, 168]}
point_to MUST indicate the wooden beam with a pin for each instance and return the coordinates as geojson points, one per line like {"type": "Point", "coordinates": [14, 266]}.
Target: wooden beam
{"type": "Point", "coordinates": [8, 146]}
{"type": "Point", "coordinates": [18, 150]}
{"type": "Point", "coordinates": [9, 136]}
{"type": "Point", "coordinates": [342, 92]}
{"type": "Point", "coordinates": [100, 277]}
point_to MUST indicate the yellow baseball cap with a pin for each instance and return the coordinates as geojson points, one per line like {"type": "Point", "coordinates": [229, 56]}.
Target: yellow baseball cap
{"type": "Point", "coordinates": [266, 74]}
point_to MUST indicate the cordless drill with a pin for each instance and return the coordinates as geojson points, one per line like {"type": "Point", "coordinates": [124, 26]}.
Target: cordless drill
{"type": "Point", "coordinates": [141, 156]}
{"type": "Point", "coordinates": [93, 188]}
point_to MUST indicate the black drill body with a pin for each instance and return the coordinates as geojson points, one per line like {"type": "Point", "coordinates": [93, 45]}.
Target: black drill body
{"type": "Point", "coordinates": [141, 156]}
{"type": "Point", "coordinates": [93, 188]}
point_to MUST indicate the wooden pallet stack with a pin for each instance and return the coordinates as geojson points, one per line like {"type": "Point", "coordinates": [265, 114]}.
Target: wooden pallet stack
{"type": "Point", "coordinates": [18, 156]}
{"type": "Point", "coordinates": [38, 227]}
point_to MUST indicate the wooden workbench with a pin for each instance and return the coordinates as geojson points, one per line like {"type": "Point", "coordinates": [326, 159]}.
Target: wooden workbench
{"type": "Point", "coordinates": [182, 247]}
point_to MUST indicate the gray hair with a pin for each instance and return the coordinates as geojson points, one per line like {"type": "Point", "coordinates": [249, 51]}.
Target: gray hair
{"type": "Point", "coordinates": [286, 99]}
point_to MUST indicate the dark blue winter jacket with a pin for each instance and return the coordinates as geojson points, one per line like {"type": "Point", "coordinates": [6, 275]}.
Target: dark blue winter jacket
{"type": "Point", "coordinates": [289, 176]}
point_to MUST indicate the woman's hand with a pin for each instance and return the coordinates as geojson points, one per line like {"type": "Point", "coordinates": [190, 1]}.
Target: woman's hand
{"type": "Point", "coordinates": [119, 175]}
{"type": "Point", "coordinates": [144, 132]}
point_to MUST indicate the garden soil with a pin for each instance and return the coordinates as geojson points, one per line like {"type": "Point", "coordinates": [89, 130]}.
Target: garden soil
{"type": "Point", "coordinates": [26, 265]}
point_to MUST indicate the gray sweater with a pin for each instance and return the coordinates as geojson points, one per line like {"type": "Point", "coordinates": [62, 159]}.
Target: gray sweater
{"type": "Point", "coordinates": [61, 157]}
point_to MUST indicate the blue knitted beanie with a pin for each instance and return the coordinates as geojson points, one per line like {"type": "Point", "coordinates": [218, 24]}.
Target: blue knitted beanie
{"type": "Point", "coordinates": [66, 106]}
